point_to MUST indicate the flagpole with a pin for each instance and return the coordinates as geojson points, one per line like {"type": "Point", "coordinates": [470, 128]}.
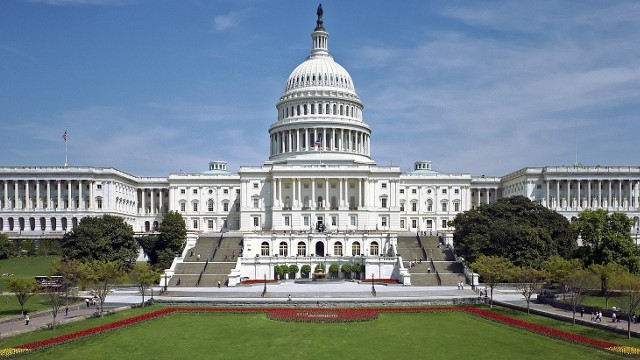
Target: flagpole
{"type": "Point", "coordinates": [65, 153]}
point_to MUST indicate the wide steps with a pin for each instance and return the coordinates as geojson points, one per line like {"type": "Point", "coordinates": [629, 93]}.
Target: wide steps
{"type": "Point", "coordinates": [189, 268]}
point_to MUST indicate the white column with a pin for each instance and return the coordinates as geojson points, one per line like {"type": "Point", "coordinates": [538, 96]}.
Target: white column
{"type": "Point", "coordinates": [37, 204]}
{"type": "Point", "coordinates": [326, 192]}
{"type": "Point", "coordinates": [589, 204]}
{"type": "Point", "coordinates": [280, 197]}
{"type": "Point", "coordinates": [92, 200]}
{"type": "Point", "coordinates": [80, 199]}
{"type": "Point", "coordinates": [153, 201]}
{"type": "Point", "coordinates": [306, 139]}
{"type": "Point", "coordinates": [5, 195]}
{"type": "Point", "coordinates": [48, 194]}
{"type": "Point", "coordinates": [16, 191]}
{"type": "Point", "coordinates": [69, 205]}
{"type": "Point", "coordinates": [27, 199]}
{"type": "Point", "coordinates": [579, 198]}
{"type": "Point", "coordinates": [59, 194]}
{"type": "Point", "coordinates": [548, 196]}
{"type": "Point", "coordinates": [313, 193]}
{"type": "Point", "coordinates": [568, 193]}
{"type": "Point", "coordinates": [558, 201]}
{"type": "Point", "coordinates": [599, 194]}
{"type": "Point", "coordinates": [273, 192]}
{"type": "Point", "coordinates": [341, 193]}
{"type": "Point", "coordinates": [620, 194]}
{"type": "Point", "coordinates": [161, 201]}
{"type": "Point", "coordinates": [609, 197]}
{"type": "Point", "coordinates": [143, 200]}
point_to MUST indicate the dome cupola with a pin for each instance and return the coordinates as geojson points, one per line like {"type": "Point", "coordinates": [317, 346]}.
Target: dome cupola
{"type": "Point", "coordinates": [320, 114]}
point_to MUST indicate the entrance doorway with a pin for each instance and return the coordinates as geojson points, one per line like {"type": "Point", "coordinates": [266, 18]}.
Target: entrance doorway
{"type": "Point", "coordinates": [319, 248]}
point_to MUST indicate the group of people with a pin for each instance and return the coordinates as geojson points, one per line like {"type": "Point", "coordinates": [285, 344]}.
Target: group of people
{"type": "Point", "coordinates": [596, 316]}
{"type": "Point", "coordinates": [461, 285]}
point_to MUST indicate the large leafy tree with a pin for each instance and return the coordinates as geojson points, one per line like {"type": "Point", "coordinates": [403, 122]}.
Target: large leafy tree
{"type": "Point", "coordinates": [606, 238]}
{"type": "Point", "coordinates": [515, 228]}
{"type": "Point", "coordinates": [492, 271]}
{"type": "Point", "coordinates": [163, 248]}
{"type": "Point", "coordinates": [106, 238]}
{"type": "Point", "coordinates": [606, 273]}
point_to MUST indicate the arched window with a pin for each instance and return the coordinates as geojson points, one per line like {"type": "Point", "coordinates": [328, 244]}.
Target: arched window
{"type": "Point", "coordinates": [355, 249]}
{"type": "Point", "coordinates": [319, 108]}
{"type": "Point", "coordinates": [327, 110]}
{"type": "Point", "coordinates": [335, 109]}
{"type": "Point", "coordinates": [302, 249]}
{"type": "Point", "coordinates": [305, 109]}
{"type": "Point", "coordinates": [429, 205]}
{"type": "Point", "coordinates": [337, 248]}
{"type": "Point", "coordinates": [373, 249]}
{"type": "Point", "coordinates": [298, 110]}
{"type": "Point", "coordinates": [264, 249]}
{"type": "Point", "coordinates": [305, 202]}
{"type": "Point", "coordinates": [283, 249]}
{"type": "Point", "coordinates": [341, 110]}
{"type": "Point", "coordinates": [210, 205]}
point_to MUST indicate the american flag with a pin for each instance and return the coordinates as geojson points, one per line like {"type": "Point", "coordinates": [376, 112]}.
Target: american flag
{"type": "Point", "coordinates": [64, 136]}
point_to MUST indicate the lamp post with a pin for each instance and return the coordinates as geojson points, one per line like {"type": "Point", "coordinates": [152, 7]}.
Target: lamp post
{"type": "Point", "coordinates": [373, 289]}
{"type": "Point", "coordinates": [165, 281]}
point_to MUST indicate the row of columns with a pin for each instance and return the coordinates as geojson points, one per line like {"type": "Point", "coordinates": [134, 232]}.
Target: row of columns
{"type": "Point", "coordinates": [154, 206]}
{"type": "Point", "coordinates": [38, 194]}
{"type": "Point", "coordinates": [487, 198]}
{"type": "Point", "coordinates": [319, 108]}
{"type": "Point", "coordinates": [36, 224]}
{"type": "Point", "coordinates": [324, 139]}
{"type": "Point", "coordinates": [620, 194]}
{"type": "Point", "coordinates": [343, 192]}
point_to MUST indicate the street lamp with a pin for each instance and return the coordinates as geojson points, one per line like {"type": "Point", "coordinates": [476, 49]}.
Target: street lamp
{"type": "Point", "coordinates": [165, 281]}
{"type": "Point", "coordinates": [373, 289]}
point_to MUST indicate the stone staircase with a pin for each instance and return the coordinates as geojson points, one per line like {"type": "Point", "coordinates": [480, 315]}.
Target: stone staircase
{"type": "Point", "coordinates": [224, 253]}
{"type": "Point", "coordinates": [423, 273]}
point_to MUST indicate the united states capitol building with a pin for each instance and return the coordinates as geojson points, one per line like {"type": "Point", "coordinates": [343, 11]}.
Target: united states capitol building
{"type": "Point", "coordinates": [319, 195]}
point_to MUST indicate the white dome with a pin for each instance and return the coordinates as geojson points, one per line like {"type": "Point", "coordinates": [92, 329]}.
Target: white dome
{"type": "Point", "coordinates": [320, 71]}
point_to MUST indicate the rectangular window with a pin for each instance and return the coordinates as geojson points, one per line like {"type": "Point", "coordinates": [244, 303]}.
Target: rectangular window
{"type": "Point", "coordinates": [195, 206]}
{"type": "Point", "coordinates": [383, 202]}
{"type": "Point", "coordinates": [225, 191]}
{"type": "Point", "coordinates": [287, 221]}
{"type": "Point", "coordinates": [183, 207]}
{"type": "Point", "coordinates": [256, 221]}
{"type": "Point", "coordinates": [352, 220]}
{"type": "Point", "coordinates": [225, 207]}
{"type": "Point", "coordinates": [401, 191]}
{"type": "Point", "coordinates": [99, 202]}
{"type": "Point", "coordinates": [384, 185]}
{"type": "Point", "coordinates": [334, 221]}
{"type": "Point", "coordinates": [414, 223]}
{"type": "Point", "coordinates": [195, 191]}
{"type": "Point", "coordinates": [402, 223]}
{"type": "Point", "coordinates": [210, 223]}
{"type": "Point", "coordinates": [444, 206]}
{"type": "Point", "coordinates": [414, 206]}
{"type": "Point", "coordinates": [255, 185]}
{"type": "Point", "coordinates": [414, 191]}
{"type": "Point", "coordinates": [383, 221]}
{"type": "Point", "coordinates": [183, 191]}
{"type": "Point", "coordinates": [429, 224]}
{"type": "Point", "coordinates": [195, 223]}
{"type": "Point", "coordinates": [401, 207]}
{"type": "Point", "coordinates": [210, 206]}
{"type": "Point", "coordinates": [456, 191]}
{"type": "Point", "coordinates": [256, 203]}
{"type": "Point", "coordinates": [237, 191]}
{"type": "Point", "coordinates": [305, 221]}
{"type": "Point", "coordinates": [444, 191]}
{"type": "Point", "coordinates": [444, 223]}
{"type": "Point", "coordinates": [99, 186]}
{"type": "Point", "coordinates": [456, 206]}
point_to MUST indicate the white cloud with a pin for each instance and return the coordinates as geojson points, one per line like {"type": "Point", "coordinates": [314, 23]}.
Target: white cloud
{"type": "Point", "coordinates": [227, 21]}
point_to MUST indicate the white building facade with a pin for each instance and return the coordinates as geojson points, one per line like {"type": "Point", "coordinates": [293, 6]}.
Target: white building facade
{"type": "Point", "coordinates": [319, 196]}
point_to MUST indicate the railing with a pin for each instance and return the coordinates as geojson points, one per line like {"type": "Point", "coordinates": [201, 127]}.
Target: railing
{"type": "Point", "coordinates": [424, 252]}
{"type": "Point", "coordinates": [199, 278]}
{"type": "Point", "coordinates": [433, 266]}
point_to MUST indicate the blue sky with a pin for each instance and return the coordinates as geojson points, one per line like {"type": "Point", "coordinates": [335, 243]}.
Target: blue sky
{"type": "Point", "coordinates": [152, 87]}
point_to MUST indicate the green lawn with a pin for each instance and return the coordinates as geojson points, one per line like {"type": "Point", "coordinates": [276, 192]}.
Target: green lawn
{"type": "Point", "coordinates": [25, 267]}
{"type": "Point", "coordinates": [452, 335]}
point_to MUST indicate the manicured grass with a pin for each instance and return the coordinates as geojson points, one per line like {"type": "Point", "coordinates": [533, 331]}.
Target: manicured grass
{"type": "Point", "coordinates": [450, 335]}
{"type": "Point", "coordinates": [9, 305]}
{"type": "Point", "coordinates": [27, 267]}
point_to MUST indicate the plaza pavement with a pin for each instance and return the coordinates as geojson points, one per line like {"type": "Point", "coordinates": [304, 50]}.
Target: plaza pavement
{"type": "Point", "coordinates": [301, 294]}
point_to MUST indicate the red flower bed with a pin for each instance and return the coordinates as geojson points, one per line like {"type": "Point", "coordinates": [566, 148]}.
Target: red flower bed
{"type": "Point", "coordinates": [258, 281]}
{"type": "Point", "coordinates": [330, 315]}
{"type": "Point", "coordinates": [543, 330]}
{"type": "Point", "coordinates": [323, 315]}
{"type": "Point", "coordinates": [386, 281]}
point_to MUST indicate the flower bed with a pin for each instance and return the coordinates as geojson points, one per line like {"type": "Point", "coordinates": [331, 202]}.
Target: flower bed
{"type": "Point", "coordinates": [382, 281]}
{"type": "Point", "coordinates": [327, 315]}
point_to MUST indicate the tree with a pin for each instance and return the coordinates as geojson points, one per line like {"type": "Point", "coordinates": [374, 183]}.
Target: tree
{"type": "Point", "coordinates": [515, 228]}
{"type": "Point", "coordinates": [100, 276]}
{"type": "Point", "coordinates": [106, 238]}
{"type": "Point", "coordinates": [606, 238]}
{"type": "Point", "coordinates": [293, 270]}
{"type": "Point", "coordinates": [492, 270]}
{"type": "Point", "coordinates": [144, 276]}
{"type": "Point", "coordinates": [55, 298]}
{"type": "Point", "coordinates": [23, 288]}
{"type": "Point", "coordinates": [528, 281]}
{"type": "Point", "coordinates": [6, 247]}
{"type": "Point", "coordinates": [305, 270]}
{"type": "Point", "coordinates": [357, 268]}
{"type": "Point", "coordinates": [578, 282]}
{"type": "Point", "coordinates": [629, 287]}
{"type": "Point", "coordinates": [334, 269]}
{"type": "Point", "coordinates": [172, 238]}
{"type": "Point", "coordinates": [346, 270]}
{"type": "Point", "coordinates": [606, 272]}
{"type": "Point", "coordinates": [559, 270]}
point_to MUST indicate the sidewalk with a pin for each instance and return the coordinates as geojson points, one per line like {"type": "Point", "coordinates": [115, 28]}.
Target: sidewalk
{"type": "Point", "coordinates": [15, 325]}
{"type": "Point", "coordinates": [512, 297]}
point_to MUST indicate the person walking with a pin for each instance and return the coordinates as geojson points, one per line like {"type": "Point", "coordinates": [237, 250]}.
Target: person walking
{"type": "Point", "coordinates": [27, 318]}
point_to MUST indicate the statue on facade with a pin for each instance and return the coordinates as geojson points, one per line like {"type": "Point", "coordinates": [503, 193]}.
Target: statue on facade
{"type": "Point", "coordinates": [319, 12]}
